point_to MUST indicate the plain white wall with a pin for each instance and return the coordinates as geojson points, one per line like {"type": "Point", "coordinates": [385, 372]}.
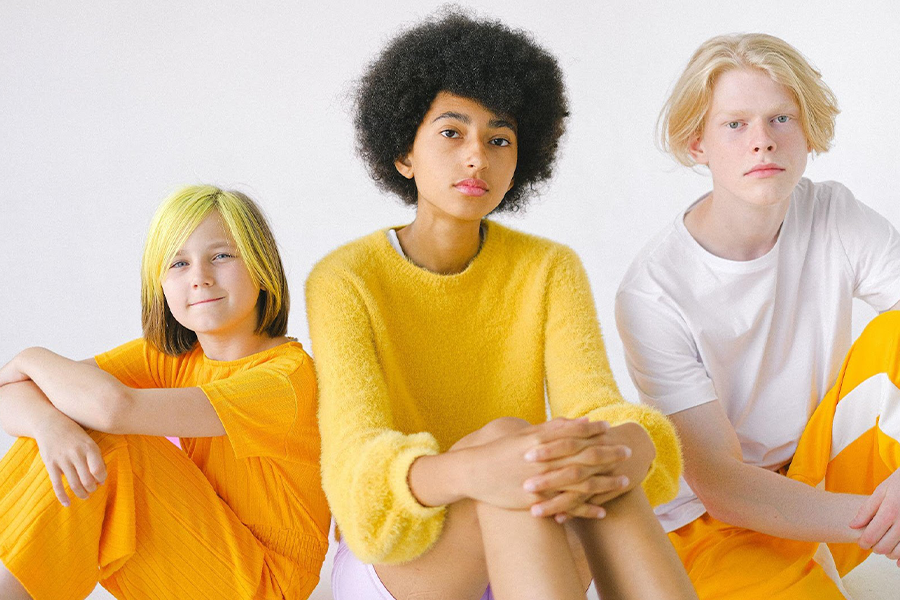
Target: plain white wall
{"type": "Point", "coordinates": [107, 106]}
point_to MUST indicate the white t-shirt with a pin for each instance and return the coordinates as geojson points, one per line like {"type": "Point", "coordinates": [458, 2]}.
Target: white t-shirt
{"type": "Point", "coordinates": [765, 337]}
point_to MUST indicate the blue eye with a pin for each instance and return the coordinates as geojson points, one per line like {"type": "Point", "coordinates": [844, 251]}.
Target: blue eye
{"type": "Point", "coordinates": [733, 124]}
{"type": "Point", "coordinates": [223, 255]}
{"type": "Point", "coordinates": [782, 119]}
{"type": "Point", "coordinates": [177, 264]}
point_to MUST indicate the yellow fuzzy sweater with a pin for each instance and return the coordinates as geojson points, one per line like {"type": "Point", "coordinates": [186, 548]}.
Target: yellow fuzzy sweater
{"type": "Point", "coordinates": [410, 361]}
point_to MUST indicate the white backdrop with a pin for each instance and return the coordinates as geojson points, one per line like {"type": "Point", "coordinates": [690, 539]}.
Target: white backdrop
{"type": "Point", "coordinates": [107, 106]}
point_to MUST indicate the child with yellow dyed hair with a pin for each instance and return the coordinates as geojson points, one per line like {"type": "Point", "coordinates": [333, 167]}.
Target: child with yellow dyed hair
{"type": "Point", "coordinates": [435, 343]}
{"type": "Point", "coordinates": [239, 512]}
{"type": "Point", "coordinates": [736, 319]}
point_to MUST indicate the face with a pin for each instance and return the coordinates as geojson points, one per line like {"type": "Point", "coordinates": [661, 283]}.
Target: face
{"type": "Point", "coordinates": [752, 142]}
{"type": "Point", "coordinates": [463, 159]}
{"type": "Point", "coordinates": [207, 286]}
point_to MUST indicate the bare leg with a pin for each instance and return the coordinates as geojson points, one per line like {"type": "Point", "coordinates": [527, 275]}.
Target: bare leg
{"type": "Point", "coordinates": [453, 568]}
{"type": "Point", "coordinates": [629, 554]}
{"type": "Point", "coordinates": [527, 557]}
{"type": "Point", "coordinates": [10, 588]}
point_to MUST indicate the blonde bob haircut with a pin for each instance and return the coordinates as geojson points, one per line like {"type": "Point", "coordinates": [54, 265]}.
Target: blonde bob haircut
{"type": "Point", "coordinates": [175, 220]}
{"type": "Point", "coordinates": [682, 118]}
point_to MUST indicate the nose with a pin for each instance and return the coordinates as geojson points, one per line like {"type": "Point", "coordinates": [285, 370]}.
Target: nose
{"type": "Point", "coordinates": [201, 275]}
{"type": "Point", "coordinates": [762, 139]}
{"type": "Point", "coordinates": [476, 155]}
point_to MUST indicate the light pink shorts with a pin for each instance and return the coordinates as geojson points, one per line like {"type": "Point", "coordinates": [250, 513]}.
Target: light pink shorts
{"type": "Point", "coordinates": [352, 579]}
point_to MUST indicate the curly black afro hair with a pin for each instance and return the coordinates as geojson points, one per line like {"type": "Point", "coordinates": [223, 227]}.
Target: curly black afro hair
{"type": "Point", "coordinates": [502, 69]}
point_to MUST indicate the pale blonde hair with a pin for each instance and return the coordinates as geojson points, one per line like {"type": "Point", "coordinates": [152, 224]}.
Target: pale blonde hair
{"type": "Point", "coordinates": [176, 218]}
{"type": "Point", "coordinates": [682, 118]}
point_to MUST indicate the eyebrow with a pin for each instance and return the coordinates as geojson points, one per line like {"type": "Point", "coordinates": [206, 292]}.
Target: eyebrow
{"type": "Point", "coordinates": [781, 108]}
{"type": "Point", "coordinates": [464, 118]}
{"type": "Point", "coordinates": [215, 245]}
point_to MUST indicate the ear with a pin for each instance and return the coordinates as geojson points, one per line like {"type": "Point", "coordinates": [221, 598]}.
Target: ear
{"type": "Point", "coordinates": [697, 150]}
{"type": "Point", "coordinates": [404, 166]}
{"type": "Point", "coordinates": [512, 182]}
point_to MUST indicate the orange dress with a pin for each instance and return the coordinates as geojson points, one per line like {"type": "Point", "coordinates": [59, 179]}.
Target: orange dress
{"type": "Point", "coordinates": [236, 516]}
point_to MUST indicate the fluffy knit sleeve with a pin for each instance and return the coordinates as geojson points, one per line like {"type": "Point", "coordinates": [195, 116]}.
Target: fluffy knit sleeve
{"type": "Point", "coordinates": [365, 461]}
{"type": "Point", "coordinates": [580, 381]}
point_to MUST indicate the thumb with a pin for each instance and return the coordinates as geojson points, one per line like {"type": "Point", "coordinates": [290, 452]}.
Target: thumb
{"type": "Point", "coordinates": [868, 509]}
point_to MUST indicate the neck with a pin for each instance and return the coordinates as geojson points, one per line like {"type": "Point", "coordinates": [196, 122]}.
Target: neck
{"type": "Point", "coordinates": [444, 246]}
{"type": "Point", "coordinates": [234, 347]}
{"type": "Point", "coordinates": [735, 231]}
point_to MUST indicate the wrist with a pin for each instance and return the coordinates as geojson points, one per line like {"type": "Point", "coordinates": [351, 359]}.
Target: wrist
{"type": "Point", "coordinates": [51, 422]}
{"type": "Point", "coordinates": [437, 480]}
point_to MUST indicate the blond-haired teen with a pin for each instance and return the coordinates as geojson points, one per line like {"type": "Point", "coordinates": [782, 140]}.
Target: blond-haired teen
{"type": "Point", "coordinates": [735, 320]}
{"type": "Point", "coordinates": [239, 513]}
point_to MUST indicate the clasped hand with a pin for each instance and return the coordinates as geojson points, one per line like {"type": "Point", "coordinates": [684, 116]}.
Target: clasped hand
{"type": "Point", "coordinates": [561, 468]}
{"type": "Point", "coordinates": [585, 473]}
{"type": "Point", "coordinates": [879, 518]}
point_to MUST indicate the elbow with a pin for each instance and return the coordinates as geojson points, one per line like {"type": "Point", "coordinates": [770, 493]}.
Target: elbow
{"type": "Point", "coordinates": [112, 407]}
{"type": "Point", "coordinates": [721, 495]}
{"type": "Point", "coordinates": [717, 507]}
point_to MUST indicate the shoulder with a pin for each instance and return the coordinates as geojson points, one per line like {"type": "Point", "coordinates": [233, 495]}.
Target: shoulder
{"type": "Point", "coordinates": [664, 260]}
{"type": "Point", "coordinates": [829, 207]}
{"type": "Point", "coordinates": [529, 250]}
{"type": "Point", "coordinates": [822, 201]}
{"type": "Point", "coordinates": [141, 351]}
{"type": "Point", "coordinates": [354, 256]}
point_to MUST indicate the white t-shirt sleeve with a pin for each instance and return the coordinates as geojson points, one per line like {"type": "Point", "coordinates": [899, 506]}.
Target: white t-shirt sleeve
{"type": "Point", "coordinates": [661, 355]}
{"type": "Point", "coordinates": [872, 246]}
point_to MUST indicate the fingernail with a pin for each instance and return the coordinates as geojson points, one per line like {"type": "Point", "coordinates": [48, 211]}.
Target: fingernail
{"type": "Point", "coordinates": [627, 452]}
{"type": "Point", "coordinates": [530, 486]}
{"type": "Point", "coordinates": [601, 513]}
{"type": "Point", "coordinates": [537, 511]}
{"type": "Point", "coordinates": [531, 456]}
{"type": "Point", "coordinates": [560, 519]}
{"type": "Point", "coordinates": [624, 481]}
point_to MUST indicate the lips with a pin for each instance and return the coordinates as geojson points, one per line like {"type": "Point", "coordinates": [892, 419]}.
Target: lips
{"type": "Point", "coordinates": [199, 302]}
{"type": "Point", "coordinates": [472, 187]}
{"type": "Point", "coordinates": [764, 170]}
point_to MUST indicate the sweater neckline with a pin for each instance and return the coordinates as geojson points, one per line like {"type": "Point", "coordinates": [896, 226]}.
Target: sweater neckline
{"type": "Point", "coordinates": [411, 269]}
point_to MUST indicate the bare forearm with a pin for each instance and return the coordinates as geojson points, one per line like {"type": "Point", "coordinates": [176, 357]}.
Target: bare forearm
{"type": "Point", "coordinates": [758, 499]}
{"type": "Point", "coordinates": [24, 409]}
{"type": "Point", "coordinates": [81, 391]}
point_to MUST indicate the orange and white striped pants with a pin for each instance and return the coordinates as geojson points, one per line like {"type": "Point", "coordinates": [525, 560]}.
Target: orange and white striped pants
{"type": "Point", "coordinates": [850, 444]}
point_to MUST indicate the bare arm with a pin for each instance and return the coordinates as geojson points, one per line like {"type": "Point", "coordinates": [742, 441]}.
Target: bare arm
{"type": "Point", "coordinates": [24, 409]}
{"type": "Point", "coordinates": [65, 448]}
{"type": "Point", "coordinates": [97, 400]}
{"type": "Point", "coordinates": [747, 496]}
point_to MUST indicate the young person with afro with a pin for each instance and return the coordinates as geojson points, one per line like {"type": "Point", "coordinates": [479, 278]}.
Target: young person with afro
{"type": "Point", "coordinates": [436, 342]}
